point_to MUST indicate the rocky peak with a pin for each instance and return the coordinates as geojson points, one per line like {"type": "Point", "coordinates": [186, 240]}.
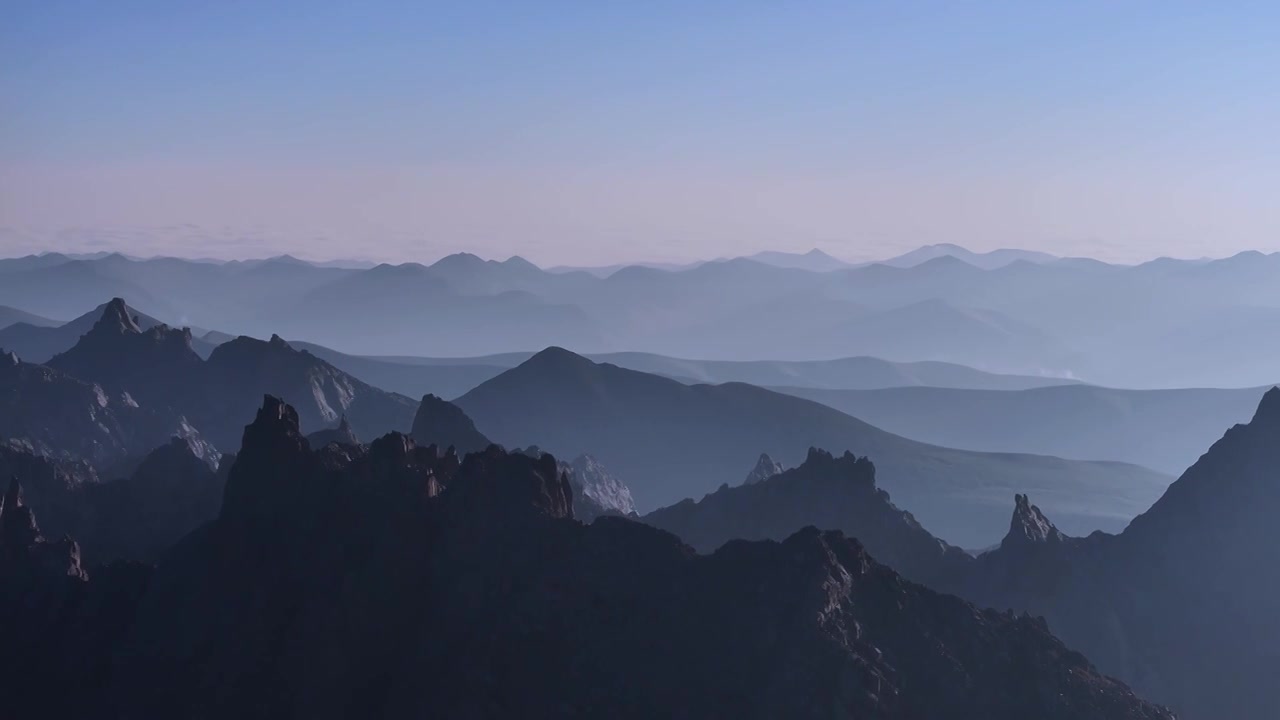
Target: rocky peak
{"type": "Point", "coordinates": [273, 454]}
{"type": "Point", "coordinates": [1029, 526]}
{"type": "Point", "coordinates": [116, 319]}
{"type": "Point", "coordinates": [9, 358]}
{"type": "Point", "coordinates": [1268, 412]}
{"type": "Point", "coordinates": [765, 468]}
{"type": "Point", "coordinates": [441, 423]}
{"type": "Point", "coordinates": [596, 492]}
{"type": "Point", "coordinates": [497, 488]}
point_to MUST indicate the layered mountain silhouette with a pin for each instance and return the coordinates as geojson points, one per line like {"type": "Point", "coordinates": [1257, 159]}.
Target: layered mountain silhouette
{"type": "Point", "coordinates": [835, 493]}
{"type": "Point", "coordinates": [669, 441]}
{"type": "Point", "coordinates": [1165, 323]}
{"type": "Point", "coordinates": [1182, 603]}
{"type": "Point", "coordinates": [38, 342]}
{"type": "Point", "coordinates": [394, 581]}
{"type": "Point", "coordinates": [1161, 429]}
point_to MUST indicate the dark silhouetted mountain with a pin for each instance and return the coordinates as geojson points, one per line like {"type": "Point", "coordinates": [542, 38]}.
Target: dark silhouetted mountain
{"type": "Point", "coordinates": [833, 493]}
{"type": "Point", "coordinates": [57, 628]}
{"type": "Point", "coordinates": [1182, 603]}
{"type": "Point", "coordinates": [388, 582]}
{"type": "Point", "coordinates": [441, 423]}
{"type": "Point", "coordinates": [1160, 429]}
{"type": "Point", "coordinates": [669, 441]}
{"type": "Point", "coordinates": [342, 435]}
{"type": "Point", "coordinates": [765, 468]}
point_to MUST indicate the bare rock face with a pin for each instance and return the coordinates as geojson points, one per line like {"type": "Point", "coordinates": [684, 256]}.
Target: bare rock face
{"type": "Point", "coordinates": [765, 468]}
{"type": "Point", "coordinates": [1182, 603]}
{"type": "Point", "coordinates": [394, 581]}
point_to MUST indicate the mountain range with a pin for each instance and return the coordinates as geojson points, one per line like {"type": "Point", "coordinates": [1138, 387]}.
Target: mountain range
{"type": "Point", "coordinates": [469, 590]}
{"type": "Point", "coordinates": [668, 441]}
{"type": "Point", "coordinates": [1164, 323]}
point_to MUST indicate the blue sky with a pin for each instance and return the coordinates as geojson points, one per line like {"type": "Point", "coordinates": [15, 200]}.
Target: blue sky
{"type": "Point", "coordinates": [596, 132]}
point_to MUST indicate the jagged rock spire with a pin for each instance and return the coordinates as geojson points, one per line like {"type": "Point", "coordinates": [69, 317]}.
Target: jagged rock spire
{"type": "Point", "coordinates": [1029, 526]}
{"type": "Point", "coordinates": [116, 317]}
{"type": "Point", "coordinates": [765, 468]}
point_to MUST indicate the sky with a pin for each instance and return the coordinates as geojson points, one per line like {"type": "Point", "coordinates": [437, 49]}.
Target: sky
{"type": "Point", "coordinates": [597, 132]}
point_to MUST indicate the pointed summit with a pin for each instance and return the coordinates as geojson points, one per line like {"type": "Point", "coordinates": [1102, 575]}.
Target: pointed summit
{"type": "Point", "coordinates": [342, 435]}
{"type": "Point", "coordinates": [116, 318]}
{"type": "Point", "coordinates": [765, 468]}
{"type": "Point", "coordinates": [1029, 526]}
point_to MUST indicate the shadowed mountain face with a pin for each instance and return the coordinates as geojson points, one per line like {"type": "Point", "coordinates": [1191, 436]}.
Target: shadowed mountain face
{"type": "Point", "coordinates": [669, 441]}
{"type": "Point", "coordinates": [171, 492]}
{"type": "Point", "coordinates": [395, 582]}
{"type": "Point", "coordinates": [440, 422]}
{"type": "Point", "coordinates": [1182, 603]}
{"type": "Point", "coordinates": [826, 492]}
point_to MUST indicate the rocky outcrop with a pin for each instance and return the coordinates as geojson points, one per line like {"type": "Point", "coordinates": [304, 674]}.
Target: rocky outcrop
{"type": "Point", "coordinates": [765, 468]}
{"type": "Point", "coordinates": [440, 422]}
{"type": "Point", "coordinates": [1182, 603]}
{"type": "Point", "coordinates": [837, 493]}
{"type": "Point", "coordinates": [57, 628]}
{"type": "Point", "coordinates": [595, 491]}
{"type": "Point", "coordinates": [342, 435]}
{"type": "Point", "coordinates": [389, 581]}
{"type": "Point", "coordinates": [171, 492]}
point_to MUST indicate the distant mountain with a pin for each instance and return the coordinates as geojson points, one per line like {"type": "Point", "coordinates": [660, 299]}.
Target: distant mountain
{"type": "Point", "coordinates": [1160, 429]}
{"type": "Point", "coordinates": [12, 316]}
{"type": "Point", "coordinates": [985, 260]}
{"type": "Point", "coordinates": [1165, 323]}
{"type": "Point", "coordinates": [814, 260]}
{"type": "Point", "coordinates": [824, 492]}
{"type": "Point", "coordinates": [469, 590]}
{"type": "Point", "coordinates": [1182, 603]}
{"type": "Point", "coordinates": [38, 343]}
{"type": "Point", "coordinates": [448, 379]}
{"type": "Point", "coordinates": [669, 441]}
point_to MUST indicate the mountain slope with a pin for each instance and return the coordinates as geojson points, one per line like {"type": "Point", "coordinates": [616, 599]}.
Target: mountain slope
{"type": "Point", "coordinates": [12, 316]}
{"type": "Point", "coordinates": [400, 584]}
{"type": "Point", "coordinates": [669, 441]}
{"type": "Point", "coordinates": [1159, 429]}
{"type": "Point", "coordinates": [1182, 603]}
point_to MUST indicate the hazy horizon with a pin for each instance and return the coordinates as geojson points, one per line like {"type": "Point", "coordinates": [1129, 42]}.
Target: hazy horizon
{"type": "Point", "coordinates": [604, 134]}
